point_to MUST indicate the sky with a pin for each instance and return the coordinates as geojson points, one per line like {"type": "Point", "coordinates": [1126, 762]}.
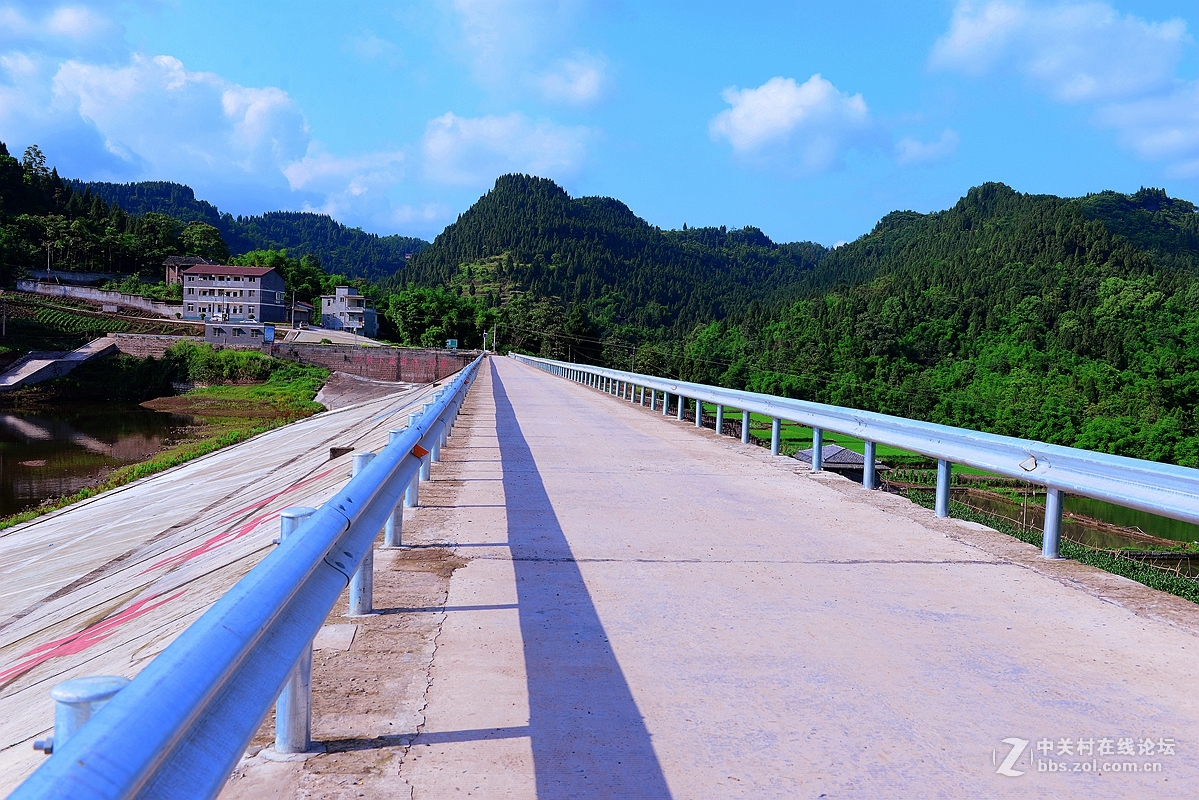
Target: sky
{"type": "Point", "coordinates": [809, 120]}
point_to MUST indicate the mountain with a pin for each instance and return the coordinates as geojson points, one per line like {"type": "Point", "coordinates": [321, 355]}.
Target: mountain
{"type": "Point", "coordinates": [595, 252]}
{"type": "Point", "coordinates": [1073, 321]}
{"type": "Point", "coordinates": [341, 249]}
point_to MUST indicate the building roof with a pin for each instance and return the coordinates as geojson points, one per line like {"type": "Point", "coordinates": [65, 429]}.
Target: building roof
{"type": "Point", "coordinates": [834, 456]}
{"type": "Point", "coordinates": [302, 306]}
{"type": "Point", "coordinates": [222, 269]}
{"type": "Point", "coordinates": [185, 261]}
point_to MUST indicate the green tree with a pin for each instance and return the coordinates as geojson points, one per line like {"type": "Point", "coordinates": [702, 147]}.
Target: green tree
{"type": "Point", "coordinates": [204, 240]}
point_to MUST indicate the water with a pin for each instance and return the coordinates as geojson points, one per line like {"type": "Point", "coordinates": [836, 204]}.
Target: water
{"type": "Point", "coordinates": [58, 452]}
{"type": "Point", "coordinates": [1095, 509]}
{"type": "Point", "coordinates": [1152, 524]}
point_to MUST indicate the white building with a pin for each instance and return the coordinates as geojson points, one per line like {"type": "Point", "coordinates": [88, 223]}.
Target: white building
{"type": "Point", "coordinates": [346, 310]}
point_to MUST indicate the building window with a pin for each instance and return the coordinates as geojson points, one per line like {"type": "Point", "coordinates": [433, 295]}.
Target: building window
{"type": "Point", "coordinates": [190, 307]}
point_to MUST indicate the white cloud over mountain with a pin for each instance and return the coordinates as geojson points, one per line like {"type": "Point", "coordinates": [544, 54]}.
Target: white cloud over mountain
{"type": "Point", "coordinates": [472, 151]}
{"type": "Point", "coordinates": [910, 150]}
{"type": "Point", "coordinates": [1076, 52]}
{"type": "Point", "coordinates": [1122, 66]}
{"type": "Point", "coordinates": [808, 127]}
{"type": "Point", "coordinates": [101, 111]}
{"type": "Point", "coordinates": [528, 45]}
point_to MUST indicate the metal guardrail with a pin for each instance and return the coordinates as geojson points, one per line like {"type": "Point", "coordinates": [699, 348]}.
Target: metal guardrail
{"type": "Point", "coordinates": [1164, 489]}
{"type": "Point", "coordinates": [178, 729]}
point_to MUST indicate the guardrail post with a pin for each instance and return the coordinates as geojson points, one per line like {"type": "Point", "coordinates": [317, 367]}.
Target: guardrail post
{"type": "Point", "coordinates": [1051, 544]}
{"type": "Point", "coordinates": [665, 403]}
{"type": "Point", "coordinates": [682, 405]}
{"type": "Point", "coordinates": [775, 424]}
{"type": "Point", "coordinates": [868, 467]}
{"type": "Point", "coordinates": [412, 493]}
{"type": "Point", "coordinates": [75, 702]}
{"type": "Point", "coordinates": [362, 583]}
{"type": "Point", "coordinates": [944, 475]}
{"type": "Point", "coordinates": [393, 529]}
{"type": "Point", "coordinates": [641, 401]}
{"type": "Point", "coordinates": [699, 413]}
{"type": "Point", "coordinates": [744, 427]}
{"type": "Point", "coordinates": [653, 399]}
{"type": "Point", "coordinates": [293, 708]}
{"type": "Point", "coordinates": [817, 449]}
{"type": "Point", "coordinates": [719, 419]}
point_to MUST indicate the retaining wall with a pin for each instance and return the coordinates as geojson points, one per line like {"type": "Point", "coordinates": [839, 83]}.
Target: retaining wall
{"type": "Point", "coordinates": [413, 365]}
{"type": "Point", "coordinates": [145, 345]}
{"type": "Point", "coordinates": [409, 364]}
{"type": "Point", "coordinates": [100, 296]}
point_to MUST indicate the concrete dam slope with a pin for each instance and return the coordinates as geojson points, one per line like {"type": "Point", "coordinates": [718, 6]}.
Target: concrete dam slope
{"type": "Point", "coordinates": [101, 587]}
{"type": "Point", "coordinates": [596, 601]}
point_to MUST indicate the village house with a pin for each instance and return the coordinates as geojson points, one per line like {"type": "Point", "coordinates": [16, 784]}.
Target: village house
{"type": "Point", "coordinates": [346, 310]}
{"type": "Point", "coordinates": [233, 294]}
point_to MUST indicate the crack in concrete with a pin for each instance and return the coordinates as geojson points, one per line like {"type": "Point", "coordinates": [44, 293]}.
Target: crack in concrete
{"type": "Point", "coordinates": [847, 561]}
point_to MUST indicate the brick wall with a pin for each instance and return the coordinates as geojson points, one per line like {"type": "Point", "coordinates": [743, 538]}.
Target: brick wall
{"type": "Point", "coordinates": [412, 365]}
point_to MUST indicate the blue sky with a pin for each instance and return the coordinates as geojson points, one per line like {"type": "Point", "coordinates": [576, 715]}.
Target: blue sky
{"type": "Point", "coordinates": [809, 120]}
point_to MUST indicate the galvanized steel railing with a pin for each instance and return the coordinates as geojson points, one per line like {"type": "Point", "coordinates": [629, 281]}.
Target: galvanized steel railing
{"type": "Point", "coordinates": [1164, 489]}
{"type": "Point", "coordinates": [178, 729]}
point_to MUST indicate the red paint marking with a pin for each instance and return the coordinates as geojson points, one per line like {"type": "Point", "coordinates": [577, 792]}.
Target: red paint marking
{"type": "Point", "coordinates": [225, 537]}
{"type": "Point", "coordinates": [78, 642]}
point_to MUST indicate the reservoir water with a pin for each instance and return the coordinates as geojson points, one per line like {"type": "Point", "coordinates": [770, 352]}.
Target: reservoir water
{"type": "Point", "coordinates": [58, 452]}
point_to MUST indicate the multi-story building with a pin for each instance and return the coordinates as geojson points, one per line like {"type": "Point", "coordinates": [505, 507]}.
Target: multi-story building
{"type": "Point", "coordinates": [233, 294]}
{"type": "Point", "coordinates": [176, 264]}
{"type": "Point", "coordinates": [346, 310]}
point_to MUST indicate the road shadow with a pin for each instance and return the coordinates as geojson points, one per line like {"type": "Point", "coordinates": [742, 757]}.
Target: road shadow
{"type": "Point", "coordinates": [588, 737]}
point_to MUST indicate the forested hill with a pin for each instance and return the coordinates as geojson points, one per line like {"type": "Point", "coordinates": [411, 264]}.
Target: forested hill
{"type": "Point", "coordinates": [348, 251]}
{"type": "Point", "coordinates": [1073, 321]}
{"type": "Point", "coordinates": [594, 252]}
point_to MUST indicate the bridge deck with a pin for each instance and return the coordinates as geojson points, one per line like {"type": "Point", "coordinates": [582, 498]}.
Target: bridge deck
{"type": "Point", "coordinates": [641, 609]}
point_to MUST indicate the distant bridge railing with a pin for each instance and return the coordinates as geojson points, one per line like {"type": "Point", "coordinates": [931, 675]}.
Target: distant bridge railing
{"type": "Point", "coordinates": [1164, 489]}
{"type": "Point", "coordinates": [178, 729]}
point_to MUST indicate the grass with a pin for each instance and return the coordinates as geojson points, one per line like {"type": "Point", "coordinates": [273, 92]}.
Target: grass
{"type": "Point", "coordinates": [1110, 561]}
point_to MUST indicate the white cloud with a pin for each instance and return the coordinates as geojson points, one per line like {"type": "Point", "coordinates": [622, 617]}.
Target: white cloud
{"type": "Point", "coordinates": [352, 187]}
{"type": "Point", "coordinates": [79, 22]}
{"type": "Point", "coordinates": [523, 45]}
{"type": "Point", "coordinates": [810, 125]}
{"type": "Point", "coordinates": [576, 80]}
{"type": "Point", "coordinates": [1075, 51]}
{"type": "Point", "coordinates": [1160, 128]}
{"type": "Point", "coordinates": [192, 126]}
{"type": "Point", "coordinates": [370, 47]}
{"type": "Point", "coordinates": [910, 150]}
{"type": "Point", "coordinates": [474, 151]}
{"type": "Point", "coordinates": [1088, 52]}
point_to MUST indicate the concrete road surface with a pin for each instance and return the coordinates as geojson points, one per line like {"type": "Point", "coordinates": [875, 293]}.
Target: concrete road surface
{"type": "Point", "coordinates": [641, 609]}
